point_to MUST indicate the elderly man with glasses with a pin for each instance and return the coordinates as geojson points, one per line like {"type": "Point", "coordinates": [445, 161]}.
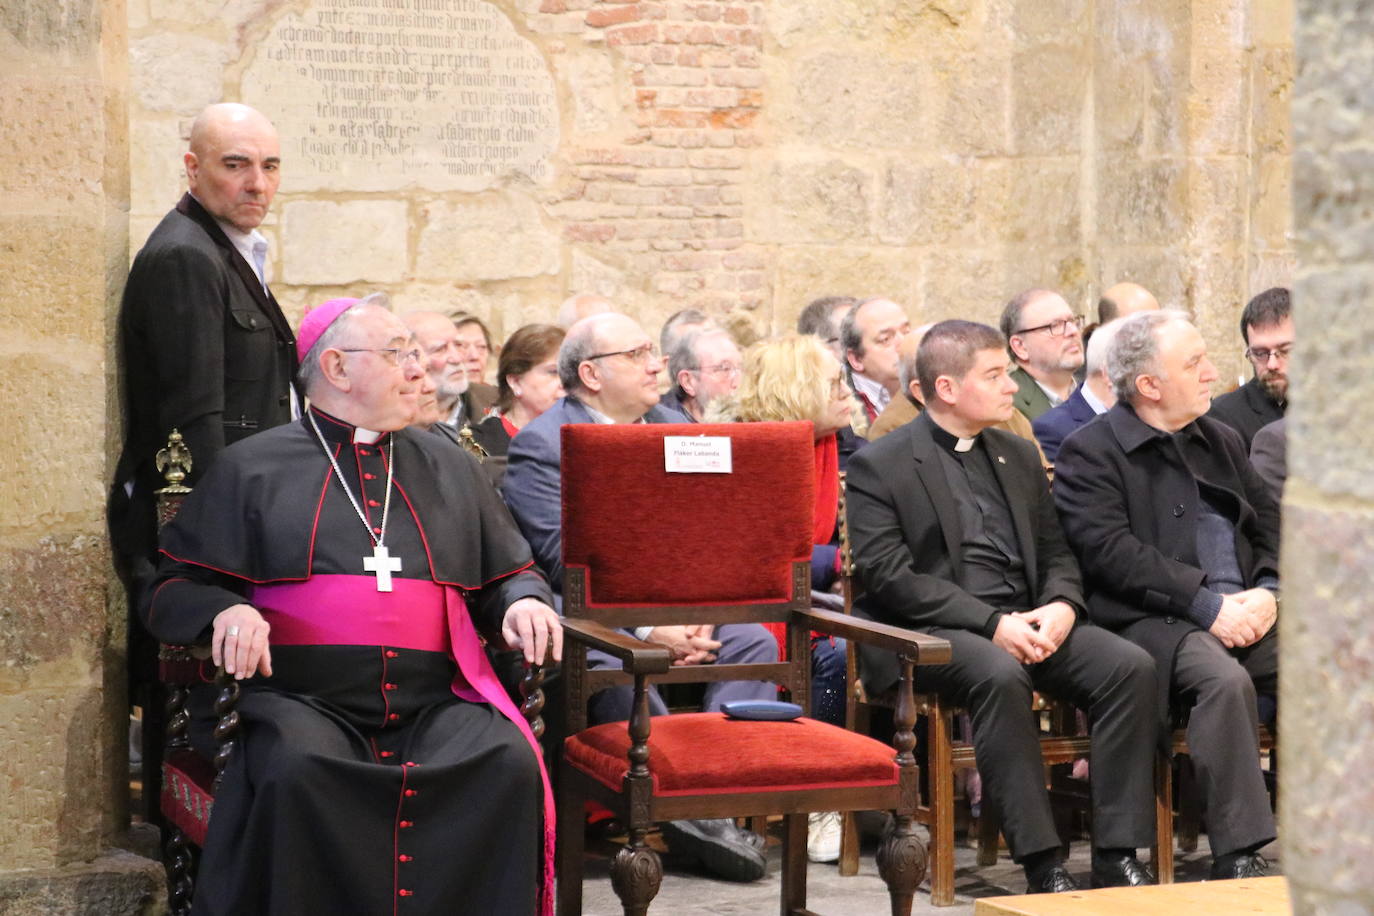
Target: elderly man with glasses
{"type": "Point", "coordinates": [1045, 339]}
{"type": "Point", "coordinates": [1267, 326]}
{"type": "Point", "coordinates": [609, 367]}
{"type": "Point", "coordinates": [704, 366]}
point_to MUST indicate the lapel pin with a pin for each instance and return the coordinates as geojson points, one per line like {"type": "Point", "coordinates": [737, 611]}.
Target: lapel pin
{"type": "Point", "coordinates": [1001, 460]}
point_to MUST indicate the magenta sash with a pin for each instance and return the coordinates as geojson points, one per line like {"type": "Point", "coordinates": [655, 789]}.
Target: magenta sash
{"type": "Point", "coordinates": [419, 614]}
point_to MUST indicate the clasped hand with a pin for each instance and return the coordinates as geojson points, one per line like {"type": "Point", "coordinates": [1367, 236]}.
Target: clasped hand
{"type": "Point", "coordinates": [1245, 617]}
{"type": "Point", "coordinates": [1033, 636]}
{"type": "Point", "coordinates": [690, 645]}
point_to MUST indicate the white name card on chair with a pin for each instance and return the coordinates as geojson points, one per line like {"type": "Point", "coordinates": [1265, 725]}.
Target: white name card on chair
{"type": "Point", "coordinates": [696, 454]}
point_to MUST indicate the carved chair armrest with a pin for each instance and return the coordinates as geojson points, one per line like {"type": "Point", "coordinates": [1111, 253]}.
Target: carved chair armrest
{"type": "Point", "coordinates": [637, 656]}
{"type": "Point", "coordinates": [921, 648]}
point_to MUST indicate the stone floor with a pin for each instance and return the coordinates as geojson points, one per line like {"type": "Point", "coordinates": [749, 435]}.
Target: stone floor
{"type": "Point", "coordinates": [688, 892]}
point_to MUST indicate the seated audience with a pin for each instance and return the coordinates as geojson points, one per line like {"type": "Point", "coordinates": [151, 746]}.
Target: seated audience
{"type": "Point", "coordinates": [527, 385]}
{"type": "Point", "coordinates": [474, 341]}
{"type": "Point", "coordinates": [1178, 539]}
{"type": "Point", "coordinates": [797, 378]}
{"type": "Point", "coordinates": [387, 714]}
{"type": "Point", "coordinates": [1043, 336]}
{"type": "Point", "coordinates": [822, 318]}
{"type": "Point", "coordinates": [462, 401]}
{"type": "Point", "coordinates": [1267, 326]}
{"type": "Point", "coordinates": [955, 534]}
{"type": "Point", "coordinates": [870, 334]}
{"type": "Point", "coordinates": [1124, 299]}
{"type": "Point", "coordinates": [609, 368]}
{"type": "Point", "coordinates": [1095, 396]}
{"type": "Point", "coordinates": [703, 366]}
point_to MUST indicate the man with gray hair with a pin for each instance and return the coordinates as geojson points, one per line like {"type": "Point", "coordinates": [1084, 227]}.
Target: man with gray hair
{"type": "Point", "coordinates": [609, 368]}
{"type": "Point", "coordinates": [352, 560]}
{"type": "Point", "coordinates": [1095, 396]}
{"type": "Point", "coordinates": [1044, 338]}
{"type": "Point", "coordinates": [1177, 536]}
{"type": "Point", "coordinates": [703, 366]}
{"type": "Point", "coordinates": [679, 325]}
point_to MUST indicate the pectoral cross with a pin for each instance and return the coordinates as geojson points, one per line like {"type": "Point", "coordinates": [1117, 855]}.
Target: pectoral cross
{"type": "Point", "coordinates": [382, 564]}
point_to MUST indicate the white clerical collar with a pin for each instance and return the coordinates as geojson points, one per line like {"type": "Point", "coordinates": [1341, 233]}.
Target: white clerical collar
{"type": "Point", "coordinates": [365, 436]}
{"type": "Point", "coordinates": [876, 394]}
{"type": "Point", "coordinates": [963, 445]}
{"type": "Point", "coordinates": [1055, 400]}
{"type": "Point", "coordinates": [1092, 400]}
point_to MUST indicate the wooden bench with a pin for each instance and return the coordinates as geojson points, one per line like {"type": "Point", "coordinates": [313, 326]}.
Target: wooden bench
{"type": "Point", "coordinates": [1244, 895]}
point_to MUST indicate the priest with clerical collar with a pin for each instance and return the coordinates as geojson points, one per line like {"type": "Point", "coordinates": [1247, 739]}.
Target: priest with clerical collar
{"type": "Point", "coordinates": [955, 534]}
{"type": "Point", "coordinates": [340, 567]}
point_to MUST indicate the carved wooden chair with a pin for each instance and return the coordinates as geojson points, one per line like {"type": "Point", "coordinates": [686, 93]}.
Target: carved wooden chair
{"type": "Point", "coordinates": [645, 547]}
{"type": "Point", "coordinates": [189, 780]}
{"type": "Point", "coordinates": [945, 755]}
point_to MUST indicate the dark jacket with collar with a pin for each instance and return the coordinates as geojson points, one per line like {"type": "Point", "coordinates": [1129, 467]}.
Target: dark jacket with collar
{"type": "Point", "coordinates": [1055, 424]}
{"type": "Point", "coordinates": [1246, 410]}
{"type": "Point", "coordinates": [203, 349]}
{"type": "Point", "coordinates": [907, 537]}
{"type": "Point", "coordinates": [1030, 398]}
{"type": "Point", "coordinates": [1129, 499]}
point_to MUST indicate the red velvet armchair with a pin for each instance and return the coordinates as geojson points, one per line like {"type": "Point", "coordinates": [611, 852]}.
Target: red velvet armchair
{"type": "Point", "coordinates": [644, 547]}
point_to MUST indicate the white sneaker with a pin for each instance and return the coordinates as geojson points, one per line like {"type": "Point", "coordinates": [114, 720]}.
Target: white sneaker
{"type": "Point", "coordinates": [823, 836]}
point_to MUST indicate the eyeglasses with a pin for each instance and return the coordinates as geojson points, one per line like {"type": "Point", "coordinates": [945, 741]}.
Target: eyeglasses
{"type": "Point", "coordinates": [1057, 328]}
{"type": "Point", "coordinates": [641, 354]}
{"type": "Point", "coordinates": [721, 370]}
{"type": "Point", "coordinates": [397, 356]}
{"type": "Point", "coordinates": [1262, 355]}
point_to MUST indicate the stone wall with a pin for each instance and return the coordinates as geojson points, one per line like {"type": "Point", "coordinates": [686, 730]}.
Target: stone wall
{"type": "Point", "coordinates": [64, 226]}
{"type": "Point", "coordinates": [744, 156]}
{"type": "Point", "coordinates": [1327, 692]}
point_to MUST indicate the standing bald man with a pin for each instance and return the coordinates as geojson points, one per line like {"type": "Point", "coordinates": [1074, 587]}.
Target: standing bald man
{"type": "Point", "coordinates": [204, 347]}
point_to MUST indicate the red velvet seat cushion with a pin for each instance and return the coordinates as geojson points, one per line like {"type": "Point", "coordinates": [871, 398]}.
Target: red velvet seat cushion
{"type": "Point", "coordinates": [186, 798]}
{"type": "Point", "coordinates": [703, 753]}
{"type": "Point", "coordinates": [650, 537]}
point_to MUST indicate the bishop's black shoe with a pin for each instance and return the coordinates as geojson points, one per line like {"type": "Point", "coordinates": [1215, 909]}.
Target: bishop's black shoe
{"type": "Point", "coordinates": [725, 850]}
{"type": "Point", "coordinates": [1052, 879]}
{"type": "Point", "coordinates": [1118, 870]}
{"type": "Point", "coordinates": [1239, 865]}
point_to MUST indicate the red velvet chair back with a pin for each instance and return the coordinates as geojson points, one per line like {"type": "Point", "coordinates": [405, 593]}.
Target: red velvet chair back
{"type": "Point", "coordinates": [647, 537]}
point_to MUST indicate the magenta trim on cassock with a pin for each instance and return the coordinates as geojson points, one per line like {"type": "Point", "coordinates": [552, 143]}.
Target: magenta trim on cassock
{"type": "Point", "coordinates": [420, 614]}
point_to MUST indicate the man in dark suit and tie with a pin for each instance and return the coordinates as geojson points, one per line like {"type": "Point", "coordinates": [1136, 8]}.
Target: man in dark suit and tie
{"type": "Point", "coordinates": [955, 534]}
{"type": "Point", "coordinates": [1089, 399]}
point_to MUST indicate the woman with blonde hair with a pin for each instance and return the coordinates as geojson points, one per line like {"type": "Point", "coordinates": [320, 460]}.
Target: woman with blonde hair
{"type": "Point", "coordinates": [797, 377]}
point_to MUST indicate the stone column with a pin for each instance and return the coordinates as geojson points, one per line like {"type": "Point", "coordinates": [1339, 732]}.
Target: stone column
{"type": "Point", "coordinates": [63, 253]}
{"type": "Point", "coordinates": [1327, 690]}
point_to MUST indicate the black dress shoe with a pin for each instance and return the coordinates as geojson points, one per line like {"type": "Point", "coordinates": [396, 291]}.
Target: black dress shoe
{"type": "Point", "coordinates": [1053, 879]}
{"type": "Point", "coordinates": [1241, 865]}
{"type": "Point", "coordinates": [1120, 871]}
{"type": "Point", "coordinates": [725, 850]}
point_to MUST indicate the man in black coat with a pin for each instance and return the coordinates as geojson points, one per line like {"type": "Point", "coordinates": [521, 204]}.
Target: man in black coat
{"type": "Point", "coordinates": [204, 348]}
{"type": "Point", "coordinates": [1178, 540]}
{"type": "Point", "coordinates": [1267, 326]}
{"type": "Point", "coordinates": [955, 534]}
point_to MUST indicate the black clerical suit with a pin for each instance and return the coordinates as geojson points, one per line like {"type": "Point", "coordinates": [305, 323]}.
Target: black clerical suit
{"type": "Point", "coordinates": [370, 778]}
{"type": "Point", "coordinates": [1133, 499]}
{"type": "Point", "coordinates": [910, 502]}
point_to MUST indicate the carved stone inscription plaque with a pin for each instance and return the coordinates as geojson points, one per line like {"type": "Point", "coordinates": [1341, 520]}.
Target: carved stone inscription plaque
{"type": "Point", "coordinates": [380, 95]}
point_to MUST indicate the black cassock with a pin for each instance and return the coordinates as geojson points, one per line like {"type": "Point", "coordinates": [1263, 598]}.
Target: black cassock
{"type": "Point", "coordinates": [364, 784]}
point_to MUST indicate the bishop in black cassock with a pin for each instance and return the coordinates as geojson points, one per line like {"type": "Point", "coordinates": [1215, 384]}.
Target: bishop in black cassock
{"type": "Point", "coordinates": [382, 769]}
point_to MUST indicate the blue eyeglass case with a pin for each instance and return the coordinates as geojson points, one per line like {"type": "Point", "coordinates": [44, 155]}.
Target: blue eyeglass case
{"type": "Point", "coordinates": [761, 710]}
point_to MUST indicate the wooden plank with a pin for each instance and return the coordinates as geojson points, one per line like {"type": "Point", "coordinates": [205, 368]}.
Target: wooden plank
{"type": "Point", "coordinates": [1244, 895]}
